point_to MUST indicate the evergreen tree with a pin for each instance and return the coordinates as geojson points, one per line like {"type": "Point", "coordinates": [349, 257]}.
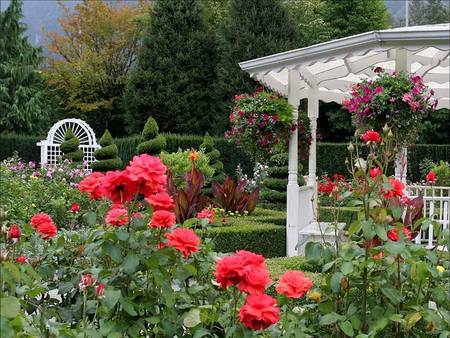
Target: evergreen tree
{"type": "Point", "coordinates": [21, 84]}
{"type": "Point", "coordinates": [153, 142]}
{"type": "Point", "coordinates": [352, 17]}
{"type": "Point", "coordinates": [108, 155]}
{"type": "Point", "coordinates": [427, 12]}
{"type": "Point", "coordinates": [175, 71]}
{"type": "Point", "coordinates": [252, 29]}
{"type": "Point", "coordinates": [71, 147]}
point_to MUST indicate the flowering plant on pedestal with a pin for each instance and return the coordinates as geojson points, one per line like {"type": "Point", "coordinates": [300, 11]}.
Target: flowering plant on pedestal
{"type": "Point", "coordinates": [399, 100]}
{"type": "Point", "coordinates": [260, 121]}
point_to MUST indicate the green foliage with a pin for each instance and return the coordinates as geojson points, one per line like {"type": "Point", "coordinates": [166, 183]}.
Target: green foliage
{"type": "Point", "coordinates": [21, 83]}
{"type": "Point", "coordinates": [180, 165]}
{"type": "Point", "coordinates": [427, 12]}
{"type": "Point", "coordinates": [175, 70]}
{"type": "Point", "coordinates": [107, 156]}
{"type": "Point", "coordinates": [152, 143]}
{"type": "Point", "coordinates": [214, 161]}
{"type": "Point", "coordinates": [346, 214]}
{"type": "Point", "coordinates": [442, 171]}
{"type": "Point", "coordinates": [352, 17]}
{"type": "Point", "coordinates": [70, 147]}
{"type": "Point", "coordinates": [252, 29]}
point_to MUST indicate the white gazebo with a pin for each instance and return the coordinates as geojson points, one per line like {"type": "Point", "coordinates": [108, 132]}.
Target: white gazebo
{"type": "Point", "coordinates": [326, 71]}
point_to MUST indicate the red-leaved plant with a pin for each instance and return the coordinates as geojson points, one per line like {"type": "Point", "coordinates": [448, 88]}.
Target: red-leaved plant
{"type": "Point", "coordinates": [231, 196]}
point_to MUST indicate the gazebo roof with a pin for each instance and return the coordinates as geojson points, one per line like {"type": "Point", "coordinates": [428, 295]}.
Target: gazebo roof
{"type": "Point", "coordinates": [332, 67]}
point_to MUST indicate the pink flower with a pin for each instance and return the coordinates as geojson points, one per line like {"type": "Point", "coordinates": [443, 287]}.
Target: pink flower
{"type": "Point", "coordinates": [117, 216]}
{"type": "Point", "coordinates": [100, 290]}
{"type": "Point", "coordinates": [374, 172]}
{"type": "Point", "coordinates": [416, 90]}
{"type": "Point", "coordinates": [86, 280]}
{"type": "Point", "coordinates": [407, 97]}
{"type": "Point", "coordinates": [207, 213]}
{"type": "Point", "coordinates": [184, 240]}
{"type": "Point", "coordinates": [415, 105]}
{"type": "Point", "coordinates": [378, 90]}
{"type": "Point", "coordinates": [293, 284]}
{"type": "Point", "coordinates": [14, 231]}
{"type": "Point", "coordinates": [162, 219]}
{"type": "Point", "coordinates": [21, 259]}
{"type": "Point", "coordinates": [371, 136]}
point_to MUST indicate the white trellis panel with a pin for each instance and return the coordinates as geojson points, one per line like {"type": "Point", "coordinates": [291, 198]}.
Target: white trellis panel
{"type": "Point", "coordinates": [50, 147]}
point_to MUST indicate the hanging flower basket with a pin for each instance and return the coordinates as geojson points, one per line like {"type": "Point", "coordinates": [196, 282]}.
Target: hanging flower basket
{"type": "Point", "coordinates": [399, 100]}
{"type": "Point", "coordinates": [260, 121]}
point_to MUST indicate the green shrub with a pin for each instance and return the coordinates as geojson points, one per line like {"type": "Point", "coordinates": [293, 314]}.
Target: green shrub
{"type": "Point", "coordinates": [70, 147]}
{"type": "Point", "coordinates": [346, 214]}
{"type": "Point", "coordinates": [107, 156]}
{"type": "Point", "coordinates": [442, 171]}
{"type": "Point", "coordinates": [214, 158]}
{"type": "Point", "coordinates": [278, 184]}
{"type": "Point", "coordinates": [180, 164]}
{"type": "Point", "coordinates": [152, 143]}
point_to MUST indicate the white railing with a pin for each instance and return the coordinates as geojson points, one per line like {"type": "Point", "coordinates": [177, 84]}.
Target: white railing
{"type": "Point", "coordinates": [436, 205]}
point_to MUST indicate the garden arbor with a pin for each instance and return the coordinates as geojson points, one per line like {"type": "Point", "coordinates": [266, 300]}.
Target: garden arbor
{"type": "Point", "coordinates": [326, 72]}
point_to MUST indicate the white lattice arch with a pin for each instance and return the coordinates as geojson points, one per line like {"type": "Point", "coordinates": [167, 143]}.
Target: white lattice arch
{"type": "Point", "coordinates": [50, 151]}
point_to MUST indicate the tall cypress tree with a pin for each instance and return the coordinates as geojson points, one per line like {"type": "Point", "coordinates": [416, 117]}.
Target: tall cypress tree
{"type": "Point", "coordinates": [21, 84]}
{"type": "Point", "coordinates": [352, 17]}
{"type": "Point", "coordinates": [253, 28]}
{"type": "Point", "coordinates": [175, 71]}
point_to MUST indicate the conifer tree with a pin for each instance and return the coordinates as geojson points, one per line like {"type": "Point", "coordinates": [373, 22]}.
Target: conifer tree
{"type": "Point", "coordinates": [153, 142]}
{"type": "Point", "coordinates": [108, 155]}
{"type": "Point", "coordinates": [71, 147]}
{"type": "Point", "coordinates": [175, 71]}
{"type": "Point", "coordinates": [252, 29]}
{"type": "Point", "coordinates": [21, 84]}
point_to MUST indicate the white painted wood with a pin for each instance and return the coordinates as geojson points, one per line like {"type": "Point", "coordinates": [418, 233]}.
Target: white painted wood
{"type": "Point", "coordinates": [50, 147]}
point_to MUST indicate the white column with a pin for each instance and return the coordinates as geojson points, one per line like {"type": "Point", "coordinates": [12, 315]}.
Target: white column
{"type": "Point", "coordinates": [402, 63]}
{"type": "Point", "coordinates": [292, 219]}
{"type": "Point", "coordinates": [313, 114]}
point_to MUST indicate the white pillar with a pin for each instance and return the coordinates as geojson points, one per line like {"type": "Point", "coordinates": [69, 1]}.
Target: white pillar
{"type": "Point", "coordinates": [292, 219]}
{"type": "Point", "coordinates": [313, 114]}
{"type": "Point", "coordinates": [402, 63]}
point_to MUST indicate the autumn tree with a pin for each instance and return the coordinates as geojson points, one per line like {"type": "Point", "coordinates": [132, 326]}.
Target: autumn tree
{"type": "Point", "coordinates": [21, 84]}
{"type": "Point", "coordinates": [91, 59]}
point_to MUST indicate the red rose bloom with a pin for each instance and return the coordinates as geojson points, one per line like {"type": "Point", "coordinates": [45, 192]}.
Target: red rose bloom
{"type": "Point", "coordinates": [117, 216]}
{"type": "Point", "coordinates": [75, 208]}
{"type": "Point", "coordinates": [371, 136]}
{"type": "Point", "coordinates": [394, 236]}
{"type": "Point", "coordinates": [244, 269]}
{"type": "Point", "coordinates": [161, 201]}
{"type": "Point", "coordinates": [162, 219]}
{"type": "Point", "coordinates": [431, 177]}
{"type": "Point", "coordinates": [293, 284]}
{"type": "Point", "coordinates": [148, 172]}
{"type": "Point", "coordinates": [14, 231]}
{"type": "Point", "coordinates": [183, 240]}
{"type": "Point", "coordinates": [259, 312]}
{"type": "Point", "coordinates": [86, 280]}
{"type": "Point", "coordinates": [206, 213]}
{"type": "Point", "coordinates": [40, 218]}
{"type": "Point", "coordinates": [118, 187]}
{"type": "Point", "coordinates": [91, 185]}
{"type": "Point", "coordinates": [396, 189]}
{"type": "Point", "coordinates": [100, 290]}
{"type": "Point", "coordinates": [374, 172]}
{"type": "Point", "coordinates": [47, 230]}
{"type": "Point", "coordinates": [21, 259]}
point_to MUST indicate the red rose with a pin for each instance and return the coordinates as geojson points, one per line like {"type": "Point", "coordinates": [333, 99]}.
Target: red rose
{"type": "Point", "coordinates": [394, 236]}
{"type": "Point", "coordinates": [40, 218]}
{"type": "Point", "coordinates": [91, 185]}
{"type": "Point", "coordinates": [162, 219]}
{"type": "Point", "coordinates": [100, 290]}
{"type": "Point", "coordinates": [431, 177]}
{"type": "Point", "coordinates": [75, 208]}
{"type": "Point", "coordinates": [293, 284]}
{"type": "Point", "coordinates": [117, 216]}
{"type": "Point", "coordinates": [86, 280]}
{"type": "Point", "coordinates": [47, 230]}
{"type": "Point", "coordinates": [184, 240]}
{"type": "Point", "coordinates": [259, 312]}
{"type": "Point", "coordinates": [14, 231]}
{"type": "Point", "coordinates": [148, 172]}
{"type": "Point", "coordinates": [371, 136]}
{"type": "Point", "coordinates": [206, 213]}
{"type": "Point", "coordinates": [396, 189]}
{"type": "Point", "coordinates": [21, 259]}
{"type": "Point", "coordinates": [244, 269]}
{"type": "Point", "coordinates": [327, 186]}
{"type": "Point", "coordinates": [161, 201]}
{"type": "Point", "coordinates": [374, 172]}
{"type": "Point", "coordinates": [118, 187]}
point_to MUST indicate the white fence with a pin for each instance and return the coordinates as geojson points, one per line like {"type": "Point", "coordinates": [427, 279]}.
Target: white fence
{"type": "Point", "coordinates": [436, 205]}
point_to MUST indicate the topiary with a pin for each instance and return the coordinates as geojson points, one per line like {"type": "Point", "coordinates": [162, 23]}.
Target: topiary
{"type": "Point", "coordinates": [107, 156]}
{"type": "Point", "coordinates": [214, 157]}
{"type": "Point", "coordinates": [71, 147]}
{"type": "Point", "coordinates": [152, 143]}
{"type": "Point", "coordinates": [274, 186]}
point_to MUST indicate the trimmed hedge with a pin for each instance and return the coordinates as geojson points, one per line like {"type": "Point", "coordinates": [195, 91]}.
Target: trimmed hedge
{"type": "Point", "coordinates": [346, 214]}
{"type": "Point", "coordinates": [330, 156]}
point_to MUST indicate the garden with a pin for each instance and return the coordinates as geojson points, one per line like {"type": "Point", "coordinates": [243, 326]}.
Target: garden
{"type": "Point", "coordinates": [160, 233]}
